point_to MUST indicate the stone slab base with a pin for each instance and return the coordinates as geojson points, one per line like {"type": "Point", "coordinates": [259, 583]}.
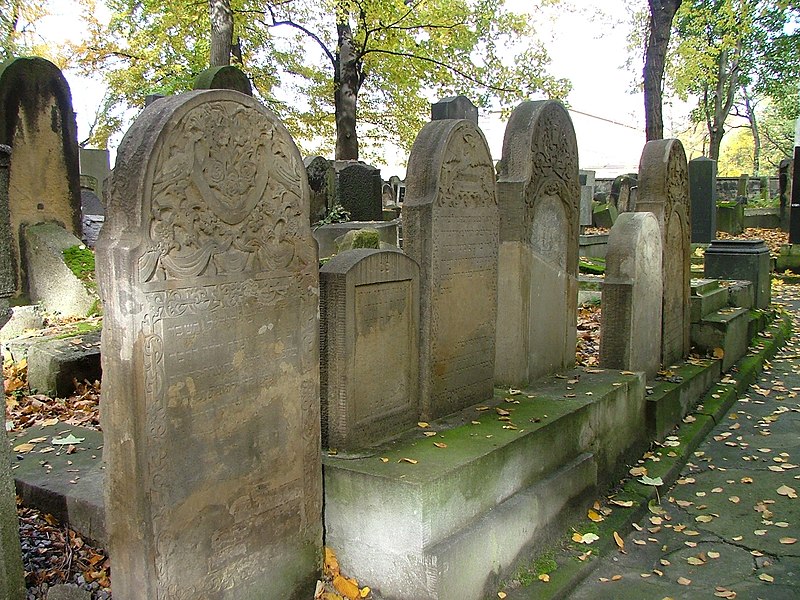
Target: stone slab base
{"type": "Point", "coordinates": [726, 329]}
{"type": "Point", "coordinates": [420, 521]}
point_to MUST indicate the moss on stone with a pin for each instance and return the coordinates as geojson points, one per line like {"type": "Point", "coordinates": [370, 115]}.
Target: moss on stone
{"type": "Point", "coordinates": [366, 238]}
{"type": "Point", "coordinates": [80, 261]}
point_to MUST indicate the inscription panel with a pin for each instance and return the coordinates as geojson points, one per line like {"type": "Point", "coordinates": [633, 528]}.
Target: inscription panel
{"type": "Point", "coordinates": [383, 328]}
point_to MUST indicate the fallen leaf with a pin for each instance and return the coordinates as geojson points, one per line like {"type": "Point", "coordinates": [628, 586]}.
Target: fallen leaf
{"type": "Point", "coordinates": [408, 460]}
{"type": "Point", "coordinates": [346, 587]}
{"type": "Point", "coordinates": [637, 471]}
{"type": "Point", "coordinates": [704, 518]}
{"type": "Point", "coordinates": [788, 540]}
{"type": "Point", "coordinates": [713, 554]}
{"type": "Point", "coordinates": [616, 578]}
{"type": "Point", "coordinates": [684, 581]}
{"type": "Point", "coordinates": [734, 499]}
{"type": "Point", "coordinates": [719, 353]}
{"type": "Point", "coordinates": [67, 440]}
{"type": "Point", "coordinates": [429, 433]}
{"type": "Point", "coordinates": [693, 560]}
{"type": "Point", "coordinates": [544, 577]}
{"type": "Point", "coordinates": [423, 424]}
{"type": "Point", "coordinates": [23, 448]}
{"type": "Point", "coordinates": [594, 516]}
{"type": "Point", "coordinates": [502, 412]}
{"type": "Point", "coordinates": [785, 490]}
{"type": "Point", "coordinates": [384, 459]}
{"type": "Point", "coordinates": [365, 591]}
{"type": "Point", "coordinates": [501, 595]}
{"type": "Point", "coordinates": [331, 563]}
{"type": "Point", "coordinates": [440, 444]}
{"type": "Point", "coordinates": [620, 542]}
{"type": "Point", "coordinates": [623, 503]}
{"type": "Point", "coordinates": [766, 577]}
{"type": "Point", "coordinates": [655, 481]}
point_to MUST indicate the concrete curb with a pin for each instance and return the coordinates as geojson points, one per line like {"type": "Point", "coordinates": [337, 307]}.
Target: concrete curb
{"type": "Point", "coordinates": [665, 462]}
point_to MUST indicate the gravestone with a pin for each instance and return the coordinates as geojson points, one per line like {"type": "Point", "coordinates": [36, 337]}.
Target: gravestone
{"type": "Point", "coordinates": [539, 194]}
{"type": "Point", "coordinates": [12, 574]}
{"type": "Point", "coordinates": [587, 195]}
{"type": "Point", "coordinates": [450, 225]}
{"type": "Point", "coordinates": [150, 98]}
{"type": "Point", "coordinates": [369, 347]}
{"type": "Point", "coordinates": [622, 194]}
{"type": "Point", "coordinates": [8, 278]}
{"type": "Point", "coordinates": [454, 107]}
{"type": "Point", "coordinates": [784, 192]}
{"type": "Point", "coordinates": [630, 336]}
{"type": "Point", "coordinates": [741, 260]}
{"type": "Point", "coordinates": [794, 209]}
{"type": "Point", "coordinates": [210, 361]}
{"type": "Point", "coordinates": [664, 191]}
{"type": "Point", "coordinates": [39, 124]}
{"type": "Point", "coordinates": [322, 184]}
{"type": "Point", "coordinates": [358, 190]}
{"type": "Point", "coordinates": [742, 187]}
{"type": "Point", "coordinates": [226, 77]}
{"type": "Point", "coordinates": [95, 162]}
{"type": "Point", "coordinates": [703, 194]}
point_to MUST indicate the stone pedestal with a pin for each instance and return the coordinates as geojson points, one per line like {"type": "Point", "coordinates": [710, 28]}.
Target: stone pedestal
{"type": "Point", "coordinates": [741, 259]}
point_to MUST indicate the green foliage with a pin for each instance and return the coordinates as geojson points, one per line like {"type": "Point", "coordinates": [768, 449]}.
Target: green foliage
{"type": "Point", "coordinates": [18, 23]}
{"type": "Point", "coordinates": [337, 214]}
{"type": "Point", "coordinates": [407, 51]}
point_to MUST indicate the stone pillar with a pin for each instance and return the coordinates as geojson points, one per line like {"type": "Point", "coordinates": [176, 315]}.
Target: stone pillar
{"type": "Point", "coordinates": [8, 271]}
{"type": "Point", "coordinates": [703, 194]}
{"type": "Point", "coordinates": [587, 195]}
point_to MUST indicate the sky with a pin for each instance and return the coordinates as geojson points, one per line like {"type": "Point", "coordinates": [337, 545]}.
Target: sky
{"type": "Point", "coordinates": [589, 47]}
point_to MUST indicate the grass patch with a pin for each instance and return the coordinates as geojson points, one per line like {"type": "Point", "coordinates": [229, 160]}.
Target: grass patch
{"type": "Point", "coordinates": [80, 261]}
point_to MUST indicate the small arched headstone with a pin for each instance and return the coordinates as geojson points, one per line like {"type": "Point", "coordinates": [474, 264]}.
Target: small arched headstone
{"type": "Point", "coordinates": [226, 77]}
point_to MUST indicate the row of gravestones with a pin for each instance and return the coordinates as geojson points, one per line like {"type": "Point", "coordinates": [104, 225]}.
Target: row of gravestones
{"type": "Point", "coordinates": [210, 344]}
{"type": "Point", "coordinates": [210, 340]}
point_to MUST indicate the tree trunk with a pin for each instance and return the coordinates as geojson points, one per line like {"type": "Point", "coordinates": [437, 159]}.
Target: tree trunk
{"type": "Point", "coordinates": [221, 32]}
{"type": "Point", "coordinates": [751, 117]}
{"type": "Point", "coordinates": [723, 97]}
{"type": "Point", "coordinates": [347, 81]}
{"type": "Point", "coordinates": [661, 14]}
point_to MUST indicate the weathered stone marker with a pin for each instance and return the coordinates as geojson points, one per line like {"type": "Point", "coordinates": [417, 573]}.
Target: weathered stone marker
{"type": "Point", "coordinates": [39, 124]}
{"type": "Point", "coordinates": [8, 276]}
{"type": "Point", "coordinates": [12, 574]}
{"type": "Point", "coordinates": [631, 309]}
{"type": "Point", "coordinates": [539, 195]}
{"type": "Point", "coordinates": [454, 107]}
{"type": "Point", "coordinates": [703, 193]}
{"type": "Point", "coordinates": [664, 191]}
{"type": "Point", "coordinates": [210, 356]}
{"type": "Point", "coordinates": [369, 346]}
{"type": "Point", "coordinates": [358, 190]}
{"type": "Point", "coordinates": [450, 224]}
{"type": "Point", "coordinates": [794, 208]}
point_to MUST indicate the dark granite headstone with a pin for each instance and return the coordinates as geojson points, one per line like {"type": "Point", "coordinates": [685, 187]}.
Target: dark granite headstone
{"type": "Point", "coordinates": [742, 188]}
{"type": "Point", "coordinates": [784, 191]}
{"type": "Point", "coordinates": [746, 260]}
{"type": "Point", "coordinates": [703, 196]}
{"type": "Point", "coordinates": [794, 212]}
{"type": "Point", "coordinates": [358, 190]}
{"type": "Point", "coordinates": [227, 77]}
{"type": "Point", "coordinates": [150, 98]}
{"type": "Point", "coordinates": [454, 107]}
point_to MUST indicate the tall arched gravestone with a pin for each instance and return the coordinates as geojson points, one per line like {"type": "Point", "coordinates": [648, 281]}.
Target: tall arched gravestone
{"type": "Point", "coordinates": [539, 195]}
{"type": "Point", "coordinates": [631, 309]}
{"type": "Point", "coordinates": [209, 277]}
{"type": "Point", "coordinates": [664, 191]}
{"type": "Point", "coordinates": [450, 225]}
{"type": "Point", "coordinates": [37, 121]}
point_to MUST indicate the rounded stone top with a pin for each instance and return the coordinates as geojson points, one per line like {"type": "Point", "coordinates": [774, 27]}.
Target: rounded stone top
{"type": "Point", "coordinates": [226, 77]}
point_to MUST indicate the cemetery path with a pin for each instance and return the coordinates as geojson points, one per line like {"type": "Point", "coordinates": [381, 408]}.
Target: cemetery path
{"type": "Point", "coordinates": [731, 522]}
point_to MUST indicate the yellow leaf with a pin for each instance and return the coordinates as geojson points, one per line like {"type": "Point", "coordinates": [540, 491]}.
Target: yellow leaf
{"type": "Point", "coordinates": [24, 448]}
{"type": "Point", "coordinates": [712, 554]}
{"type": "Point", "coordinates": [408, 460]}
{"type": "Point", "coordinates": [49, 422]}
{"type": "Point", "coordinates": [788, 540]}
{"type": "Point", "coordinates": [785, 490]}
{"type": "Point", "coordinates": [620, 542]}
{"type": "Point", "coordinates": [577, 537]}
{"type": "Point", "coordinates": [37, 440]}
{"type": "Point", "coordinates": [624, 503]}
{"type": "Point", "coordinates": [638, 471]}
{"type": "Point", "coordinates": [331, 564]}
{"type": "Point", "coordinates": [481, 408]}
{"type": "Point", "coordinates": [501, 595]}
{"type": "Point", "coordinates": [594, 516]}
{"type": "Point", "coordinates": [440, 444]}
{"type": "Point", "coordinates": [502, 412]}
{"type": "Point", "coordinates": [365, 592]}
{"type": "Point", "coordinates": [429, 433]}
{"type": "Point", "coordinates": [684, 581]}
{"type": "Point", "coordinates": [346, 588]}
{"type": "Point", "coordinates": [693, 560]}
{"type": "Point", "coordinates": [544, 577]}
{"type": "Point", "coordinates": [616, 578]}
{"type": "Point", "coordinates": [704, 518]}
{"type": "Point", "coordinates": [766, 577]}
{"type": "Point", "coordinates": [719, 353]}
{"type": "Point", "coordinates": [422, 424]}
{"type": "Point", "coordinates": [384, 459]}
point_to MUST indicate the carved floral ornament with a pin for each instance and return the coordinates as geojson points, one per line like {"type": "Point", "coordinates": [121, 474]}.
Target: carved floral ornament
{"type": "Point", "coordinates": [677, 178]}
{"type": "Point", "coordinates": [554, 159]}
{"type": "Point", "coordinates": [467, 177]}
{"type": "Point", "coordinates": [226, 197]}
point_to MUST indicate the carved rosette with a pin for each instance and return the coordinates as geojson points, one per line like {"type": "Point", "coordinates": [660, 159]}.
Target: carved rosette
{"type": "Point", "coordinates": [215, 207]}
